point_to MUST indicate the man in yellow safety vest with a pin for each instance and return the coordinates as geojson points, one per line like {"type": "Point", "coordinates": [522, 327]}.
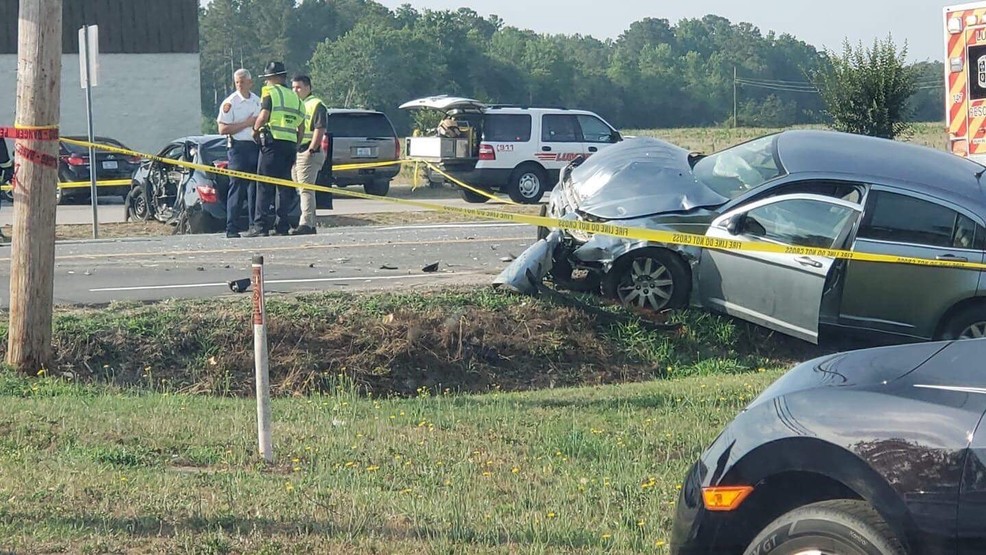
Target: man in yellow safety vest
{"type": "Point", "coordinates": [310, 154]}
{"type": "Point", "coordinates": [278, 129]}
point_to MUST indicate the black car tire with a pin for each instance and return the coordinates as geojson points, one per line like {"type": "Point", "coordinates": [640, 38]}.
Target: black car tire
{"type": "Point", "coordinates": [473, 197]}
{"type": "Point", "coordinates": [528, 183]}
{"type": "Point", "coordinates": [967, 323]}
{"type": "Point", "coordinates": [379, 187]}
{"type": "Point", "coordinates": [137, 208]}
{"type": "Point", "coordinates": [843, 527]}
{"type": "Point", "coordinates": [623, 279]}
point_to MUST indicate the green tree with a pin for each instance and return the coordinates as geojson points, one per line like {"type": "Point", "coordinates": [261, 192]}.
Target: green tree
{"type": "Point", "coordinates": [866, 90]}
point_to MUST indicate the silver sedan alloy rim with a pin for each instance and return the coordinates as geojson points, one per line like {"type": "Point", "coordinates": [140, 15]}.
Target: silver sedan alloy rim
{"type": "Point", "coordinates": [648, 285]}
{"type": "Point", "coordinates": [975, 331]}
{"type": "Point", "coordinates": [529, 185]}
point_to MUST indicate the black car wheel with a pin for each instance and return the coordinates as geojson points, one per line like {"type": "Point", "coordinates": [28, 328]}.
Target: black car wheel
{"type": "Point", "coordinates": [651, 278]}
{"type": "Point", "coordinates": [839, 527]}
{"type": "Point", "coordinates": [379, 187]}
{"type": "Point", "coordinates": [473, 197]}
{"type": "Point", "coordinates": [968, 323]}
{"type": "Point", "coordinates": [137, 209]}
{"type": "Point", "coordinates": [527, 184]}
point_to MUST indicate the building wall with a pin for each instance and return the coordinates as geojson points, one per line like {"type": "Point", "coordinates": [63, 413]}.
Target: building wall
{"type": "Point", "coordinates": [142, 100]}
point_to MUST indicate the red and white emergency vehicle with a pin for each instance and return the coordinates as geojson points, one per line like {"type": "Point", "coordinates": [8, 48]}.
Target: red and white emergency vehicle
{"type": "Point", "coordinates": [965, 79]}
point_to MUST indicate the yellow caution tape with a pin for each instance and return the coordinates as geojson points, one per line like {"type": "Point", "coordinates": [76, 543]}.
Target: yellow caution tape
{"type": "Point", "coordinates": [81, 184]}
{"type": "Point", "coordinates": [655, 236]}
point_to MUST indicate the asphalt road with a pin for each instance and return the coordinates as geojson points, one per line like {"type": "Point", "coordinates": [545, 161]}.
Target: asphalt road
{"type": "Point", "coordinates": [110, 209]}
{"type": "Point", "coordinates": [155, 268]}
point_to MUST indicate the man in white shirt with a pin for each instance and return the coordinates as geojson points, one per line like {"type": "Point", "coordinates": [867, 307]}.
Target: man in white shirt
{"type": "Point", "coordinates": [236, 118]}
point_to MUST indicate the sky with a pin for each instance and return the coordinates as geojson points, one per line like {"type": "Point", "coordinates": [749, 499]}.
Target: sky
{"type": "Point", "coordinates": [821, 23]}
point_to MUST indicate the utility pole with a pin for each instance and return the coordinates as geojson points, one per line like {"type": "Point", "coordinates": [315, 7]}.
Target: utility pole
{"type": "Point", "coordinates": [735, 123]}
{"type": "Point", "coordinates": [32, 259]}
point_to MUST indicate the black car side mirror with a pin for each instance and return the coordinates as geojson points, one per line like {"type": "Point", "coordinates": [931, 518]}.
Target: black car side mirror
{"type": "Point", "coordinates": [734, 224]}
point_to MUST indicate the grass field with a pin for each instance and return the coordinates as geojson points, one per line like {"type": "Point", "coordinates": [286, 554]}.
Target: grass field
{"type": "Point", "coordinates": [93, 469]}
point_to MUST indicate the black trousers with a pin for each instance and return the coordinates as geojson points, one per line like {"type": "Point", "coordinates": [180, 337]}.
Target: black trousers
{"type": "Point", "coordinates": [243, 156]}
{"type": "Point", "coordinates": [277, 207]}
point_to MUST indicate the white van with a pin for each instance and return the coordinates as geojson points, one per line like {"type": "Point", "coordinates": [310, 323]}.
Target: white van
{"type": "Point", "coordinates": [516, 149]}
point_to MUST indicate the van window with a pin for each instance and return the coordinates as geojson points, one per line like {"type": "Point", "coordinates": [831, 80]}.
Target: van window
{"type": "Point", "coordinates": [905, 219]}
{"type": "Point", "coordinates": [507, 128]}
{"type": "Point", "coordinates": [359, 125]}
{"type": "Point", "coordinates": [560, 129]}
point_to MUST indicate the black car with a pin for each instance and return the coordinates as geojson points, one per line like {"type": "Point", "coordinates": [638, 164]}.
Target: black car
{"type": "Point", "coordinates": [192, 200]}
{"type": "Point", "coordinates": [74, 166]}
{"type": "Point", "coordinates": [868, 452]}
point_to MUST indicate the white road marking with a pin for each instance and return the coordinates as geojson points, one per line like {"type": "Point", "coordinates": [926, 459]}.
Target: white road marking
{"type": "Point", "coordinates": [448, 226]}
{"type": "Point", "coordinates": [270, 282]}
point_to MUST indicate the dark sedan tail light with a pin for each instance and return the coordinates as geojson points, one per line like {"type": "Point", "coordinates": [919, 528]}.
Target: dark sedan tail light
{"type": "Point", "coordinates": [221, 164]}
{"type": "Point", "coordinates": [207, 194]}
{"type": "Point", "coordinates": [134, 159]}
{"type": "Point", "coordinates": [76, 160]}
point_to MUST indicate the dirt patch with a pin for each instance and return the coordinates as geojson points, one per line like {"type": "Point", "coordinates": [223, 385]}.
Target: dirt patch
{"type": "Point", "coordinates": [472, 339]}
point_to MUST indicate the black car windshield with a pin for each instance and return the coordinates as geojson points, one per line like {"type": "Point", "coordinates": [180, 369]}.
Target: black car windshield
{"type": "Point", "coordinates": [736, 170]}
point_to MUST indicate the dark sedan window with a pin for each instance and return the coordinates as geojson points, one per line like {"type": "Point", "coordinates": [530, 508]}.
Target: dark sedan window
{"type": "Point", "coordinates": [904, 219]}
{"type": "Point", "coordinates": [741, 168]}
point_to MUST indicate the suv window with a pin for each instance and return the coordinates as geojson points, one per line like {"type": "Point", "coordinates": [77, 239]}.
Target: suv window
{"type": "Point", "coordinates": [904, 219]}
{"type": "Point", "coordinates": [798, 222]}
{"type": "Point", "coordinates": [507, 128]}
{"type": "Point", "coordinates": [594, 130]}
{"type": "Point", "coordinates": [560, 129]}
{"type": "Point", "coordinates": [359, 125]}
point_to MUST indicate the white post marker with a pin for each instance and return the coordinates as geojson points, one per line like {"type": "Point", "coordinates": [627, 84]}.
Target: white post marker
{"type": "Point", "coordinates": [261, 362]}
{"type": "Point", "coordinates": [89, 69]}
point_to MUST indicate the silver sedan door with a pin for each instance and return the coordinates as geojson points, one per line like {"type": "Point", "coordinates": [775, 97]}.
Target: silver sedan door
{"type": "Point", "coordinates": [782, 292]}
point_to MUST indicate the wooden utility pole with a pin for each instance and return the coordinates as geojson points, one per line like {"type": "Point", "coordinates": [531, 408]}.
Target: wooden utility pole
{"type": "Point", "coordinates": [32, 259]}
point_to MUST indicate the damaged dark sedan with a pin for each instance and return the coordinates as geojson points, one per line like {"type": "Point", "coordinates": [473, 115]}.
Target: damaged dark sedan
{"type": "Point", "coordinates": [803, 188]}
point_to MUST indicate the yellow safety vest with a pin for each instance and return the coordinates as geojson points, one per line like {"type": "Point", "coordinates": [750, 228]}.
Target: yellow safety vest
{"type": "Point", "coordinates": [286, 112]}
{"type": "Point", "coordinates": [311, 104]}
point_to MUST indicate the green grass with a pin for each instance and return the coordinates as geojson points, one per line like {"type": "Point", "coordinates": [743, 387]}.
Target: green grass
{"type": "Point", "coordinates": [94, 469]}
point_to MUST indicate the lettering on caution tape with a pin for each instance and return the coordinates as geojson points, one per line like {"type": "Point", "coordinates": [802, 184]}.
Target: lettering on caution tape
{"type": "Point", "coordinates": [654, 236]}
{"type": "Point", "coordinates": [82, 184]}
{"type": "Point", "coordinates": [23, 132]}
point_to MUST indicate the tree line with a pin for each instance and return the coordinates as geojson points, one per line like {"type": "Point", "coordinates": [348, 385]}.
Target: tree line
{"type": "Point", "coordinates": [655, 74]}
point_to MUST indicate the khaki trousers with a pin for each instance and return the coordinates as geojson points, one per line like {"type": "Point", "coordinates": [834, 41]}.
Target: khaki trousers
{"type": "Point", "coordinates": [305, 170]}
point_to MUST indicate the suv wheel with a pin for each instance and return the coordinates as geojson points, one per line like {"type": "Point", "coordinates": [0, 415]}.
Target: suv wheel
{"type": "Point", "coordinates": [473, 197]}
{"type": "Point", "coordinates": [527, 184]}
{"type": "Point", "coordinates": [379, 187]}
{"type": "Point", "coordinates": [839, 527]}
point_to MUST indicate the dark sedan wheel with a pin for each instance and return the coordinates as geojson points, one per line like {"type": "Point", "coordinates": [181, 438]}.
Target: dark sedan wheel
{"type": "Point", "coordinates": [654, 279]}
{"type": "Point", "coordinates": [840, 527]}
{"type": "Point", "coordinates": [379, 187]}
{"type": "Point", "coordinates": [137, 209]}
{"type": "Point", "coordinates": [527, 184]}
{"type": "Point", "coordinates": [473, 197]}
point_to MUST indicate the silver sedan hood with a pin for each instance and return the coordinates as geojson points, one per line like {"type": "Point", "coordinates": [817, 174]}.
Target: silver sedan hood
{"type": "Point", "coordinates": [638, 177]}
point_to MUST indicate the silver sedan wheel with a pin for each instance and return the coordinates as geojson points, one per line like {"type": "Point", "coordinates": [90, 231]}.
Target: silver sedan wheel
{"type": "Point", "coordinates": [974, 331]}
{"type": "Point", "coordinates": [529, 185]}
{"type": "Point", "coordinates": [648, 284]}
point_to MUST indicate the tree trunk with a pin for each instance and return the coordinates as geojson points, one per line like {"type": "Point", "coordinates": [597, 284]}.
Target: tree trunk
{"type": "Point", "coordinates": [32, 260]}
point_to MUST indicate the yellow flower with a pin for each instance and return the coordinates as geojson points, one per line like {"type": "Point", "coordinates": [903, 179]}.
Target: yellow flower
{"type": "Point", "coordinates": [607, 536]}
{"type": "Point", "coordinates": [289, 486]}
{"type": "Point", "coordinates": [515, 470]}
{"type": "Point", "coordinates": [659, 543]}
{"type": "Point", "coordinates": [372, 468]}
{"type": "Point", "coordinates": [551, 514]}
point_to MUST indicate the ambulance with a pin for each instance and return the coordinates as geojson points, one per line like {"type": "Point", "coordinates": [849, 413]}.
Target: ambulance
{"type": "Point", "coordinates": [965, 79]}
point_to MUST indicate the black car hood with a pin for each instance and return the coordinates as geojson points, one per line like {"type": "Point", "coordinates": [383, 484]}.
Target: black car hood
{"type": "Point", "coordinates": [854, 369]}
{"type": "Point", "coordinates": [639, 177]}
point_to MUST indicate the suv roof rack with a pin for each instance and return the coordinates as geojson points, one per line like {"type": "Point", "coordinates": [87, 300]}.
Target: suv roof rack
{"type": "Point", "coordinates": [525, 106]}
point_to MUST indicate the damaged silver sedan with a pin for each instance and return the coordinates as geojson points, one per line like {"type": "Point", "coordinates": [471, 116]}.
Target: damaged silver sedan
{"type": "Point", "coordinates": [798, 188]}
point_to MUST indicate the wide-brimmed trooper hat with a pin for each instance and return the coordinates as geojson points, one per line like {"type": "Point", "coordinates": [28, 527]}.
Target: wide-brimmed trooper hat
{"type": "Point", "coordinates": [273, 69]}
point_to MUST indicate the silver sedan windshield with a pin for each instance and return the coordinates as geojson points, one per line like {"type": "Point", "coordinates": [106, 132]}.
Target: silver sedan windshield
{"type": "Point", "coordinates": [741, 168]}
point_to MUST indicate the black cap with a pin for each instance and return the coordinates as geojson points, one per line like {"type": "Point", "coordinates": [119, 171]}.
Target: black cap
{"type": "Point", "coordinates": [273, 69]}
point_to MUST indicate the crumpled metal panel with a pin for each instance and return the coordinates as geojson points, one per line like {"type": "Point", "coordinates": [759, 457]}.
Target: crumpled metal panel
{"type": "Point", "coordinates": [639, 177]}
